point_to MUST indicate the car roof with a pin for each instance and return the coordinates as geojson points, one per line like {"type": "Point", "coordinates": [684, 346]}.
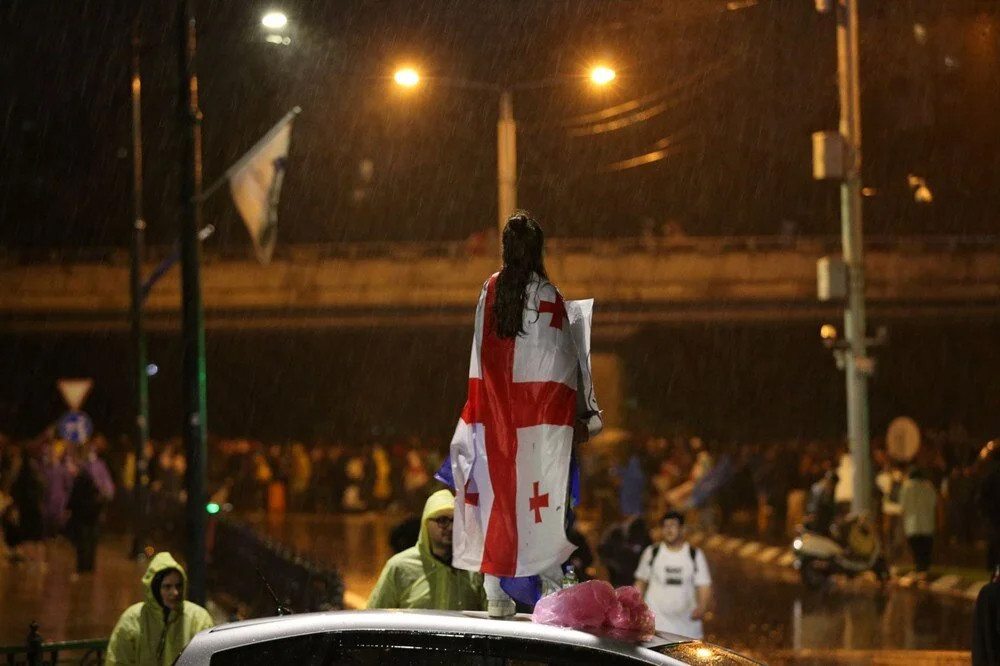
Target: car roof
{"type": "Point", "coordinates": [250, 632]}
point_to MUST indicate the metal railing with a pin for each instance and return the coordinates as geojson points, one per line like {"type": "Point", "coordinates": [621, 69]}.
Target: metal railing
{"type": "Point", "coordinates": [35, 652]}
{"type": "Point", "coordinates": [299, 584]}
{"type": "Point", "coordinates": [118, 256]}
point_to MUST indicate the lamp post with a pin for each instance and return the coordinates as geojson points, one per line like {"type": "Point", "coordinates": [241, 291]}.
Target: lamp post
{"type": "Point", "coordinates": [139, 373]}
{"type": "Point", "coordinates": [506, 126]}
{"type": "Point", "coordinates": [855, 327]}
{"type": "Point", "coordinates": [194, 427]}
{"type": "Point", "coordinates": [838, 155]}
{"type": "Point", "coordinates": [193, 335]}
{"type": "Point", "coordinates": [506, 161]}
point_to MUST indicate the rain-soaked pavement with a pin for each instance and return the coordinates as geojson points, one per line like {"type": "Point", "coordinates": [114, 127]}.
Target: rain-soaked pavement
{"type": "Point", "coordinates": [762, 611]}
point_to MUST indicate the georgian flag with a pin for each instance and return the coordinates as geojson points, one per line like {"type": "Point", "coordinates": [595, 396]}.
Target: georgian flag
{"type": "Point", "coordinates": [510, 455]}
{"type": "Point", "coordinates": [255, 182]}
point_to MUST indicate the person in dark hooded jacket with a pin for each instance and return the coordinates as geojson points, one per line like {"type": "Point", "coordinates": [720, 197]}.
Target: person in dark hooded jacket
{"type": "Point", "coordinates": [988, 499]}
{"type": "Point", "coordinates": [986, 626]}
{"type": "Point", "coordinates": [91, 491]}
{"type": "Point", "coordinates": [27, 492]}
{"type": "Point", "coordinates": [85, 506]}
{"type": "Point", "coordinates": [155, 631]}
{"type": "Point", "coordinates": [621, 547]}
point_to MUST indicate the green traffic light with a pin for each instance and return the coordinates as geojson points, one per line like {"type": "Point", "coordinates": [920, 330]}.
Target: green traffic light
{"type": "Point", "coordinates": [212, 508]}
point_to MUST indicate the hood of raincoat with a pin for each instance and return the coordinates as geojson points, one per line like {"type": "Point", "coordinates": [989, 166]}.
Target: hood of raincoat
{"type": "Point", "coordinates": [440, 502]}
{"type": "Point", "coordinates": [162, 562]}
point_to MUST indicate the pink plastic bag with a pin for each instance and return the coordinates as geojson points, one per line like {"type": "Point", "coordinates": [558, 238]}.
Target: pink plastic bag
{"type": "Point", "coordinates": [596, 605]}
{"type": "Point", "coordinates": [631, 614]}
{"type": "Point", "coordinates": [581, 606]}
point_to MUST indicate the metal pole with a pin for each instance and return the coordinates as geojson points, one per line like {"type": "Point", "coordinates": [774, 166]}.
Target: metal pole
{"type": "Point", "coordinates": [858, 364]}
{"type": "Point", "coordinates": [194, 426]}
{"type": "Point", "coordinates": [506, 161]}
{"type": "Point", "coordinates": [141, 487]}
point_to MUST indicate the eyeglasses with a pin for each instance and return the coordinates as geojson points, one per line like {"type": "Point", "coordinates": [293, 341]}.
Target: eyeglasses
{"type": "Point", "coordinates": [443, 521]}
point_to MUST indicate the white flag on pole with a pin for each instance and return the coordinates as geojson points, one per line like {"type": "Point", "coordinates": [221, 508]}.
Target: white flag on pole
{"type": "Point", "coordinates": [255, 182]}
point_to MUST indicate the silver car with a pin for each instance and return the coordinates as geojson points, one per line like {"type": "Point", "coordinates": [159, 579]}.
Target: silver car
{"type": "Point", "coordinates": [419, 638]}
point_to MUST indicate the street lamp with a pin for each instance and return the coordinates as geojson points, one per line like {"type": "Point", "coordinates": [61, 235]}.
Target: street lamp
{"type": "Point", "coordinates": [601, 75]}
{"type": "Point", "coordinates": [407, 77]}
{"type": "Point", "coordinates": [276, 23]}
{"type": "Point", "coordinates": [274, 20]}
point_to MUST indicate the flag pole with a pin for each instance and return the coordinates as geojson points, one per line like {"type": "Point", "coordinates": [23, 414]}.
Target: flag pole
{"type": "Point", "coordinates": [140, 485]}
{"type": "Point", "coordinates": [194, 426]}
{"type": "Point", "coordinates": [240, 163]}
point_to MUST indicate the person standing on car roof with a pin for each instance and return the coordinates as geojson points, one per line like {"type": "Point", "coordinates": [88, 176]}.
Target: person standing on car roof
{"type": "Point", "coordinates": [674, 579]}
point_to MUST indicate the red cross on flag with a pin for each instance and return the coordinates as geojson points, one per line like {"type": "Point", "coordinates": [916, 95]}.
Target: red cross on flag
{"type": "Point", "coordinates": [511, 451]}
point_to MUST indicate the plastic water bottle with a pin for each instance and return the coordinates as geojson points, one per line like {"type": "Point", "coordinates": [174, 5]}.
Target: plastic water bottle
{"type": "Point", "coordinates": [569, 578]}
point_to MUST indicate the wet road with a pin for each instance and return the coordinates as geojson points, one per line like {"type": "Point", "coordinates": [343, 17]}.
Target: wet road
{"type": "Point", "coordinates": [761, 610]}
{"type": "Point", "coordinates": [767, 611]}
{"type": "Point", "coordinates": [68, 607]}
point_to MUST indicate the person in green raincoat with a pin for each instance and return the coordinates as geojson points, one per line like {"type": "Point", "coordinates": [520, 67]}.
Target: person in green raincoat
{"type": "Point", "coordinates": [422, 576]}
{"type": "Point", "coordinates": [153, 632]}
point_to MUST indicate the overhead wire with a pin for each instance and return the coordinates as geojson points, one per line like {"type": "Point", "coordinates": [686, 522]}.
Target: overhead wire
{"type": "Point", "coordinates": [604, 115]}
{"type": "Point", "coordinates": [663, 148]}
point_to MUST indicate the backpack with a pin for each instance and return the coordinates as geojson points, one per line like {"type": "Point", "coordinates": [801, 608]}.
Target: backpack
{"type": "Point", "coordinates": [894, 491]}
{"type": "Point", "coordinates": [691, 550]}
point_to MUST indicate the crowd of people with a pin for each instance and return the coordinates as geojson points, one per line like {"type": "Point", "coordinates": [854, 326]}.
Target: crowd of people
{"type": "Point", "coordinates": [323, 477]}
{"type": "Point", "coordinates": [949, 490]}
{"type": "Point", "coordinates": [50, 489]}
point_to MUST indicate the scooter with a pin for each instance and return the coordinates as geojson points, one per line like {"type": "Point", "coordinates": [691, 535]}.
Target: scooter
{"type": "Point", "coordinates": [817, 557]}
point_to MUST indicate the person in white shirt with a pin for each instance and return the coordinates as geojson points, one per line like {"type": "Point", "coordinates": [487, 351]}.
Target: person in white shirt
{"type": "Point", "coordinates": [918, 500]}
{"type": "Point", "coordinates": [674, 580]}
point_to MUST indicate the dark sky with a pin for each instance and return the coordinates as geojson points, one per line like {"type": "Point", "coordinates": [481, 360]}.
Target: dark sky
{"type": "Point", "coordinates": [734, 94]}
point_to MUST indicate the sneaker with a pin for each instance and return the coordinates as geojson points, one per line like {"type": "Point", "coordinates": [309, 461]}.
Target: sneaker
{"type": "Point", "coordinates": [501, 610]}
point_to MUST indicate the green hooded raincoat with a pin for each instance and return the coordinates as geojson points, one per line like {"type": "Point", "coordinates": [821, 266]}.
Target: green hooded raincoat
{"type": "Point", "coordinates": [144, 636]}
{"type": "Point", "coordinates": [415, 578]}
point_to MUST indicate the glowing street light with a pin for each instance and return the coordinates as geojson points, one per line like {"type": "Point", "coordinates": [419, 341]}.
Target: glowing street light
{"type": "Point", "coordinates": [274, 20]}
{"type": "Point", "coordinates": [407, 77]}
{"type": "Point", "coordinates": [506, 125]}
{"type": "Point", "coordinates": [602, 75]}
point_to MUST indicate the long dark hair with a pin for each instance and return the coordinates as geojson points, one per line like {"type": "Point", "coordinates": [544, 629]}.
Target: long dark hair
{"type": "Point", "coordinates": [523, 245]}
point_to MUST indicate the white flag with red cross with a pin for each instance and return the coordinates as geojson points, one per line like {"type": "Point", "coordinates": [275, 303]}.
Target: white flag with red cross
{"type": "Point", "coordinates": [510, 454]}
